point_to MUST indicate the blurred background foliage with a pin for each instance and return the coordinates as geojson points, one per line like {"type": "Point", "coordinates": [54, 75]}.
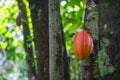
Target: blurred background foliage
{"type": "Point", "coordinates": [12, 56]}
{"type": "Point", "coordinates": [72, 12]}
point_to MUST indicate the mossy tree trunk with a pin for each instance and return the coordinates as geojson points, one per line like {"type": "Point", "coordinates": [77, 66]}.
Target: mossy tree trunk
{"type": "Point", "coordinates": [58, 59]}
{"type": "Point", "coordinates": [23, 20]}
{"type": "Point", "coordinates": [39, 14]}
{"type": "Point", "coordinates": [89, 67]}
{"type": "Point", "coordinates": [109, 25]}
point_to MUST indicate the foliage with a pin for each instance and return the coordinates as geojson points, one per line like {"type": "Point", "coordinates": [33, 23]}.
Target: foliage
{"type": "Point", "coordinates": [72, 12]}
{"type": "Point", "coordinates": [11, 43]}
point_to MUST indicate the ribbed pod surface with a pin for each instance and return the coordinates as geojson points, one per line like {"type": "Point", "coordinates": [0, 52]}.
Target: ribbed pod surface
{"type": "Point", "coordinates": [83, 44]}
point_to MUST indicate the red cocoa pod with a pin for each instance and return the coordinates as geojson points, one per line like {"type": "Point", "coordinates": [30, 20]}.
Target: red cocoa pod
{"type": "Point", "coordinates": [83, 45]}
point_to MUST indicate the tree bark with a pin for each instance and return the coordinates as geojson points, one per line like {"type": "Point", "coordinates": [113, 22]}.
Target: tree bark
{"type": "Point", "coordinates": [89, 69]}
{"type": "Point", "coordinates": [56, 44]}
{"type": "Point", "coordinates": [109, 22]}
{"type": "Point", "coordinates": [39, 14]}
{"type": "Point", "coordinates": [26, 33]}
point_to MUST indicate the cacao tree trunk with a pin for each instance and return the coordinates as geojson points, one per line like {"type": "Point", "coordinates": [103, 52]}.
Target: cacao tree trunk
{"type": "Point", "coordinates": [109, 26]}
{"type": "Point", "coordinates": [56, 44]}
{"type": "Point", "coordinates": [89, 67]}
{"type": "Point", "coordinates": [26, 33]}
{"type": "Point", "coordinates": [39, 14]}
